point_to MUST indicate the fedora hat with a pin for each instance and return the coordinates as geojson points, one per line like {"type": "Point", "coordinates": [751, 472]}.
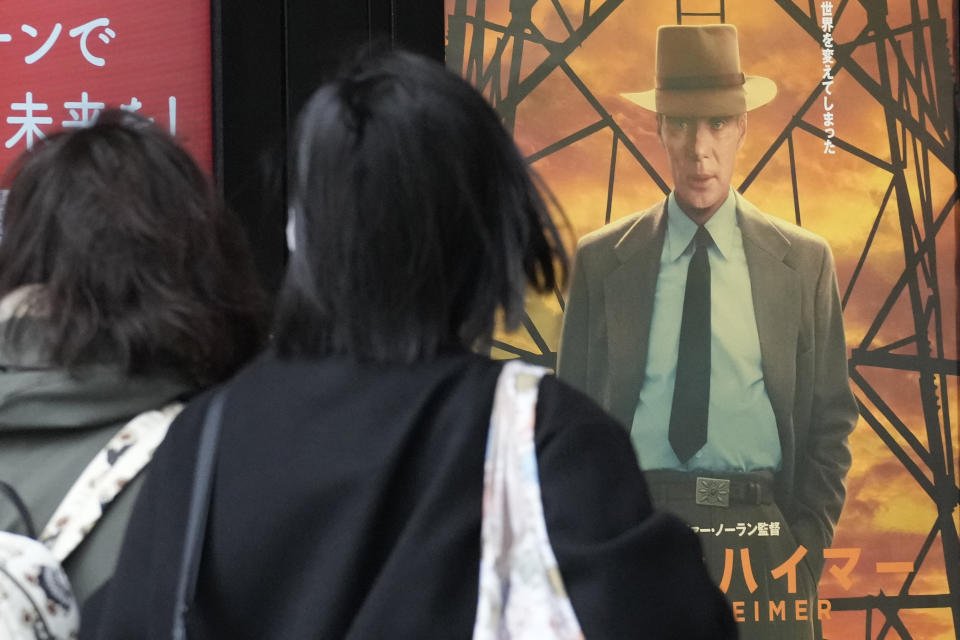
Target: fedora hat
{"type": "Point", "coordinates": [698, 74]}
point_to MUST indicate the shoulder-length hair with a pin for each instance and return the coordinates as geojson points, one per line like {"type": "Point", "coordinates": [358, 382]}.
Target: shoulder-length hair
{"type": "Point", "coordinates": [136, 256]}
{"type": "Point", "coordinates": [413, 216]}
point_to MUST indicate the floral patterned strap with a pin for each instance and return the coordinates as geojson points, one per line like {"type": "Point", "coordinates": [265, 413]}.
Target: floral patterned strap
{"type": "Point", "coordinates": [521, 593]}
{"type": "Point", "coordinates": [119, 462]}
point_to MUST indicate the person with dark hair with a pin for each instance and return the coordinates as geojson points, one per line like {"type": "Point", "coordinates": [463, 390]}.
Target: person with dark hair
{"type": "Point", "coordinates": [126, 287]}
{"type": "Point", "coordinates": [714, 333]}
{"type": "Point", "coordinates": [349, 477]}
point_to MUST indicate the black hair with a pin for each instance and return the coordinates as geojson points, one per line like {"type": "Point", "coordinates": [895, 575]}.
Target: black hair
{"type": "Point", "coordinates": [415, 218]}
{"type": "Point", "coordinates": [136, 256]}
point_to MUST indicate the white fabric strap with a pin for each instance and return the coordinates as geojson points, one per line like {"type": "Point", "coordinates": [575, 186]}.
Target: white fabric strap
{"type": "Point", "coordinates": [119, 462]}
{"type": "Point", "coordinates": [521, 594]}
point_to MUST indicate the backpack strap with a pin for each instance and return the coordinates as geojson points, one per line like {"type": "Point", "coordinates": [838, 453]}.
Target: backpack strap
{"type": "Point", "coordinates": [114, 466]}
{"type": "Point", "coordinates": [197, 516]}
{"type": "Point", "coordinates": [521, 593]}
{"type": "Point", "coordinates": [21, 508]}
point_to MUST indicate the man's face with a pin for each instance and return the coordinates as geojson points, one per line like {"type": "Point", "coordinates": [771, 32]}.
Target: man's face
{"type": "Point", "coordinates": [701, 152]}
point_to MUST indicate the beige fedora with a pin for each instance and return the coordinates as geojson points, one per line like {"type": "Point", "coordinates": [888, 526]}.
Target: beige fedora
{"type": "Point", "coordinates": [698, 74]}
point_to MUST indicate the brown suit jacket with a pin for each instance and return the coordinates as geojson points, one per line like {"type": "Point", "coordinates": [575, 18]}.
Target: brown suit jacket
{"type": "Point", "coordinates": [603, 347]}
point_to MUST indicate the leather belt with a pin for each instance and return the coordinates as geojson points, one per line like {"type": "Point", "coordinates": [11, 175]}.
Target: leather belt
{"type": "Point", "coordinates": [710, 489]}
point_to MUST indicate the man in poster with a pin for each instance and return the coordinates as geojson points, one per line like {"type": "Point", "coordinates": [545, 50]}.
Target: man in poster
{"type": "Point", "coordinates": [714, 332]}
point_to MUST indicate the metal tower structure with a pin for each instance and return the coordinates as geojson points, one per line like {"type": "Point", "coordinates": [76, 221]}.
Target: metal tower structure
{"type": "Point", "coordinates": [720, 13]}
{"type": "Point", "coordinates": [913, 85]}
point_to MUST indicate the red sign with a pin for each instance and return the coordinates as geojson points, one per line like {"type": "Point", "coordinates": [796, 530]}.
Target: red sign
{"type": "Point", "coordinates": [63, 62]}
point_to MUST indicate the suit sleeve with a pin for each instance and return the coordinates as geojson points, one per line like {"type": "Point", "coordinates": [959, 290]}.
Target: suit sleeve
{"type": "Point", "coordinates": [823, 464]}
{"type": "Point", "coordinates": [572, 354]}
{"type": "Point", "coordinates": [630, 571]}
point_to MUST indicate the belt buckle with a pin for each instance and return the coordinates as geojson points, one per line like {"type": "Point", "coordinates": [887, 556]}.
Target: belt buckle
{"type": "Point", "coordinates": [713, 492]}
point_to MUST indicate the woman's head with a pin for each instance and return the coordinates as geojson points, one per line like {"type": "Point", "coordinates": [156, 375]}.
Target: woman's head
{"type": "Point", "coordinates": [135, 255]}
{"type": "Point", "coordinates": [414, 217]}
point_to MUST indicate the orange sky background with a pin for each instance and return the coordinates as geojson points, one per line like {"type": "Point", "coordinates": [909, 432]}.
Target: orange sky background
{"type": "Point", "coordinates": [886, 513]}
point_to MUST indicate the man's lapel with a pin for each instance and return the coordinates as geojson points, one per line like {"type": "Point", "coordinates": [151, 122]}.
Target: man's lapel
{"type": "Point", "coordinates": [629, 293]}
{"type": "Point", "coordinates": [776, 303]}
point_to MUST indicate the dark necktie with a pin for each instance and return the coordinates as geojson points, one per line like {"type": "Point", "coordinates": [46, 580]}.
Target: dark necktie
{"type": "Point", "coordinates": [691, 394]}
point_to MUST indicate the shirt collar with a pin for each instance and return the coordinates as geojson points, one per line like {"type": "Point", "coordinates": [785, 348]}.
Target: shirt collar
{"type": "Point", "coordinates": [722, 226]}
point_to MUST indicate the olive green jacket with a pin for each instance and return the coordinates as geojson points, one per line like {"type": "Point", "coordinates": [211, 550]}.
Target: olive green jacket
{"type": "Point", "coordinates": [52, 423]}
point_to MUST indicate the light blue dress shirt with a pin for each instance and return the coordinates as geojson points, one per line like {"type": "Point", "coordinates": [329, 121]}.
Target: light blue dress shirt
{"type": "Point", "coordinates": [741, 427]}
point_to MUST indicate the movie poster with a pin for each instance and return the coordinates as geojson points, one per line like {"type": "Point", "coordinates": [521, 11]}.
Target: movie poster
{"type": "Point", "coordinates": [858, 146]}
{"type": "Point", "coordinates": [63, 63]}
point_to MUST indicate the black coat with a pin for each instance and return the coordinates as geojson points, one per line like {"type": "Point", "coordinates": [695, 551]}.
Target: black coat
{"type": "Point", "coordinates": [347, 504]}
